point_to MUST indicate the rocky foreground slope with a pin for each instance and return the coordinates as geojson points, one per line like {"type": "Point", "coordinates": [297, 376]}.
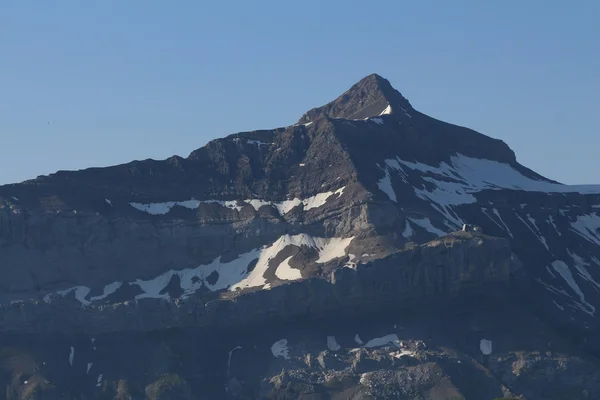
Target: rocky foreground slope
{"type": "Point", "coordinates": [311, 261]}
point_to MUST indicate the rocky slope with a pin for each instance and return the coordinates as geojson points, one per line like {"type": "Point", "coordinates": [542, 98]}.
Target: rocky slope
{"type": "Point", "coordinates": [138, 280]}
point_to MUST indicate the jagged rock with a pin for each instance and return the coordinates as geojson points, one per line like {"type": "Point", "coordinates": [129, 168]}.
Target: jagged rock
{"type": "Point", "coordinates": [348, 218]}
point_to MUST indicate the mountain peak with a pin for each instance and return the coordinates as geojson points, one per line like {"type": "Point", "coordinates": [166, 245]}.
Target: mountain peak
{"type": "Point", "coordinates": [370, 97]}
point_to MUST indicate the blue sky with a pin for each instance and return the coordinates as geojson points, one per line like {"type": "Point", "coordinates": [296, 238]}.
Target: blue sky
{"type": "Point", "coordinates": [94, 83]}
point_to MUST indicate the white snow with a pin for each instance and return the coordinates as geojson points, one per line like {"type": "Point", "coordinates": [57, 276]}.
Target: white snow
{"type": "Point", "coordinates": [485, 346]}
{"type": "Point", "coordinates": [285, 206]}
{"type": "Point", "coordinates": [229, 358]}
{"type": "Point", "coordinates": [426, 224]}
{"type": "Point", "coordinates": [495, 211]}
{"type": "Point", "coordinates": [385, 185]}
{"type": "Point", "coordinates": [580, 264]}
{"type": "Point", "coordinates": [81, 293]}
{"type": "Point", "coordinates": [332, 344]}
{"type": "Point", "coordinates": [257, 204]}
{"type": "Point", "coordinates": [231, 274]}
{"type": "Point", "coordinates": [308, 123]}
{"type": "Point", "coordinates": [258, 142]}
{"type": "Point", "coordinates": [456, 182]}
{"type": "Point", "coordinates": [537, 234]}
{"type": "Point", "coordinates": [71, 355]}
{"type": "Point", "coordinates": [551, 220]}
{"type": "Point", "coordinates": [378, 121]}
{"type": "Point", "coordinates": [164, 208]}
{"type": "Point", "coordinates": [280, 349]}
{"type": "Point", "coordinates": [108, 202]}
{"type": "Point", "coordinates": [329, 249]}
{"type": "Point", "coordinates": [108, 290]}
{"type": "Point", "coordinates": [383, 341]}
{"type": "Point", "coordinates": [588, 227]}
{"type": "Point", "coordinates": [286, 272]}
{"type": "Point", "coordinates": [474, 174]}
{"type": "Point", "coordinates": [388, 110]}
{"type": "Point", "coordinates": [99, 381]}
{"type": "Point", "coordinates": [332, 248]}
{"type": "Point", "coordinates": [484, 210]}
{"type": "Point", "coordinates": [553, 289]}
{"type": "Point", "coordinates": [89, 366]}
{"type": "Point", "coordinates": [301, 164]}
{"type": "Point", "coordinates": [351, 261]}
{"type": "Point", "coordinates": [358, 340]}
{"type": "Point", "coordinates": [15, 198]}
{"type": "Point", "coordinates": [408, 231]}
{"type": "Point", "coordinates": [564, 271]}
{"type": "Point", "coordinates": [558, 305]}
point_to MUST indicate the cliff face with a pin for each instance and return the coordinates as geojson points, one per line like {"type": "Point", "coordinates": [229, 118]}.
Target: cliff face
{"type": "Point", "coordinates": [459, 264]}
{"type": "Point", "coordinates": [345, 214]}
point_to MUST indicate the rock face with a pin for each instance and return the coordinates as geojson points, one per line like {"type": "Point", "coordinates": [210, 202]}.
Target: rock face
{"type": "Point", "coordinates": [461, 263]}
{"type": "Point", "coordinates": [348, 215]}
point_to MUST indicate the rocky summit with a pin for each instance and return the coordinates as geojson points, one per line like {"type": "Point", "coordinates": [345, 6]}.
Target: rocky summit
{"type": "Point", "coordinates": [367, 251]}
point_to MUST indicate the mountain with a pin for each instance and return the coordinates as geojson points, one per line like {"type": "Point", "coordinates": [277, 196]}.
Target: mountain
{"type": "Point", "coordinates": [323, 260]}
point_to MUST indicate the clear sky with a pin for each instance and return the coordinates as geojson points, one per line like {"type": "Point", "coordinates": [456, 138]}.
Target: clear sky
{"type": "Point", "coordinates": [95, 83]}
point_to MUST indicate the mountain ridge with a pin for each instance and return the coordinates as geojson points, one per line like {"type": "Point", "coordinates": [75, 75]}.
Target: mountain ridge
{"type": "Point", "coordinates": [339, 214]}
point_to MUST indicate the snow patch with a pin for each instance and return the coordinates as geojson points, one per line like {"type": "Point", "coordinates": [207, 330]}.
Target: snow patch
{"type": "Point", "coordinates": [588, 227]}
{"type": "Point", "coordinates": [71, 355]}
{"type": "Point", "coordinates": [388, 110]}
{"type": "Point", "coordinates": [108, 290]}
{"type": "Point", "coordinates": [485, 346]}
{"type": "Point", "coordinates": [81, 293]}
{"type": "Point", "coordinates": [385, 185]}
{"type": "Point", "coordinates": [358, 340]}
{"type": "Point", "coordinates": [408, 230]}
{"type": "Point", "coordinates": [537, 234]}
{"type": "Point", "coordinates": [426, 224]}
{"type": "Point", "coordinates": [551, 220]}
{"type": "Point", "coordinates": [285, 206]}
{"type": "Point", "coordinates": [383, 341]}
{"type": "Point", "coordinates": [580, 265]}
{"type": "Point", "coordinates": [561, 308]}
{"type": "Point", "coordinates": [231, 275]}
{"type": "Point", "coordinates": [332, 344]}
{"type": "Point", "coordinates": [456, 182]}
{"type": "Point", "coordinates": [564, 271]}
{"type": "Point", "coordinates": [89, 366]}
{"type": "Point", "coordinates": [164, 208]}
{"type": "Point", "coordinates": [108, 202]}
{"type": "Point", "coordinates": [99, 381]}
{"type": "Point", "coordinates": [229, 358]}
{"type": "Point", "coordinates": [258, 142]}
{"type": "Point", "coordinates": [280, 349]}
{"type": "Point", "coordinates": [286, 272]}
{"type": "Point", "coordinates": [328, 250]}
{"type": "Point", "coordinates": [378, 121]}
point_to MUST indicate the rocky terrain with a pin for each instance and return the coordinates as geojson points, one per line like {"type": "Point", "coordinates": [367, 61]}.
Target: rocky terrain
{"type": "Point", "coordinates": [322, 260]}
